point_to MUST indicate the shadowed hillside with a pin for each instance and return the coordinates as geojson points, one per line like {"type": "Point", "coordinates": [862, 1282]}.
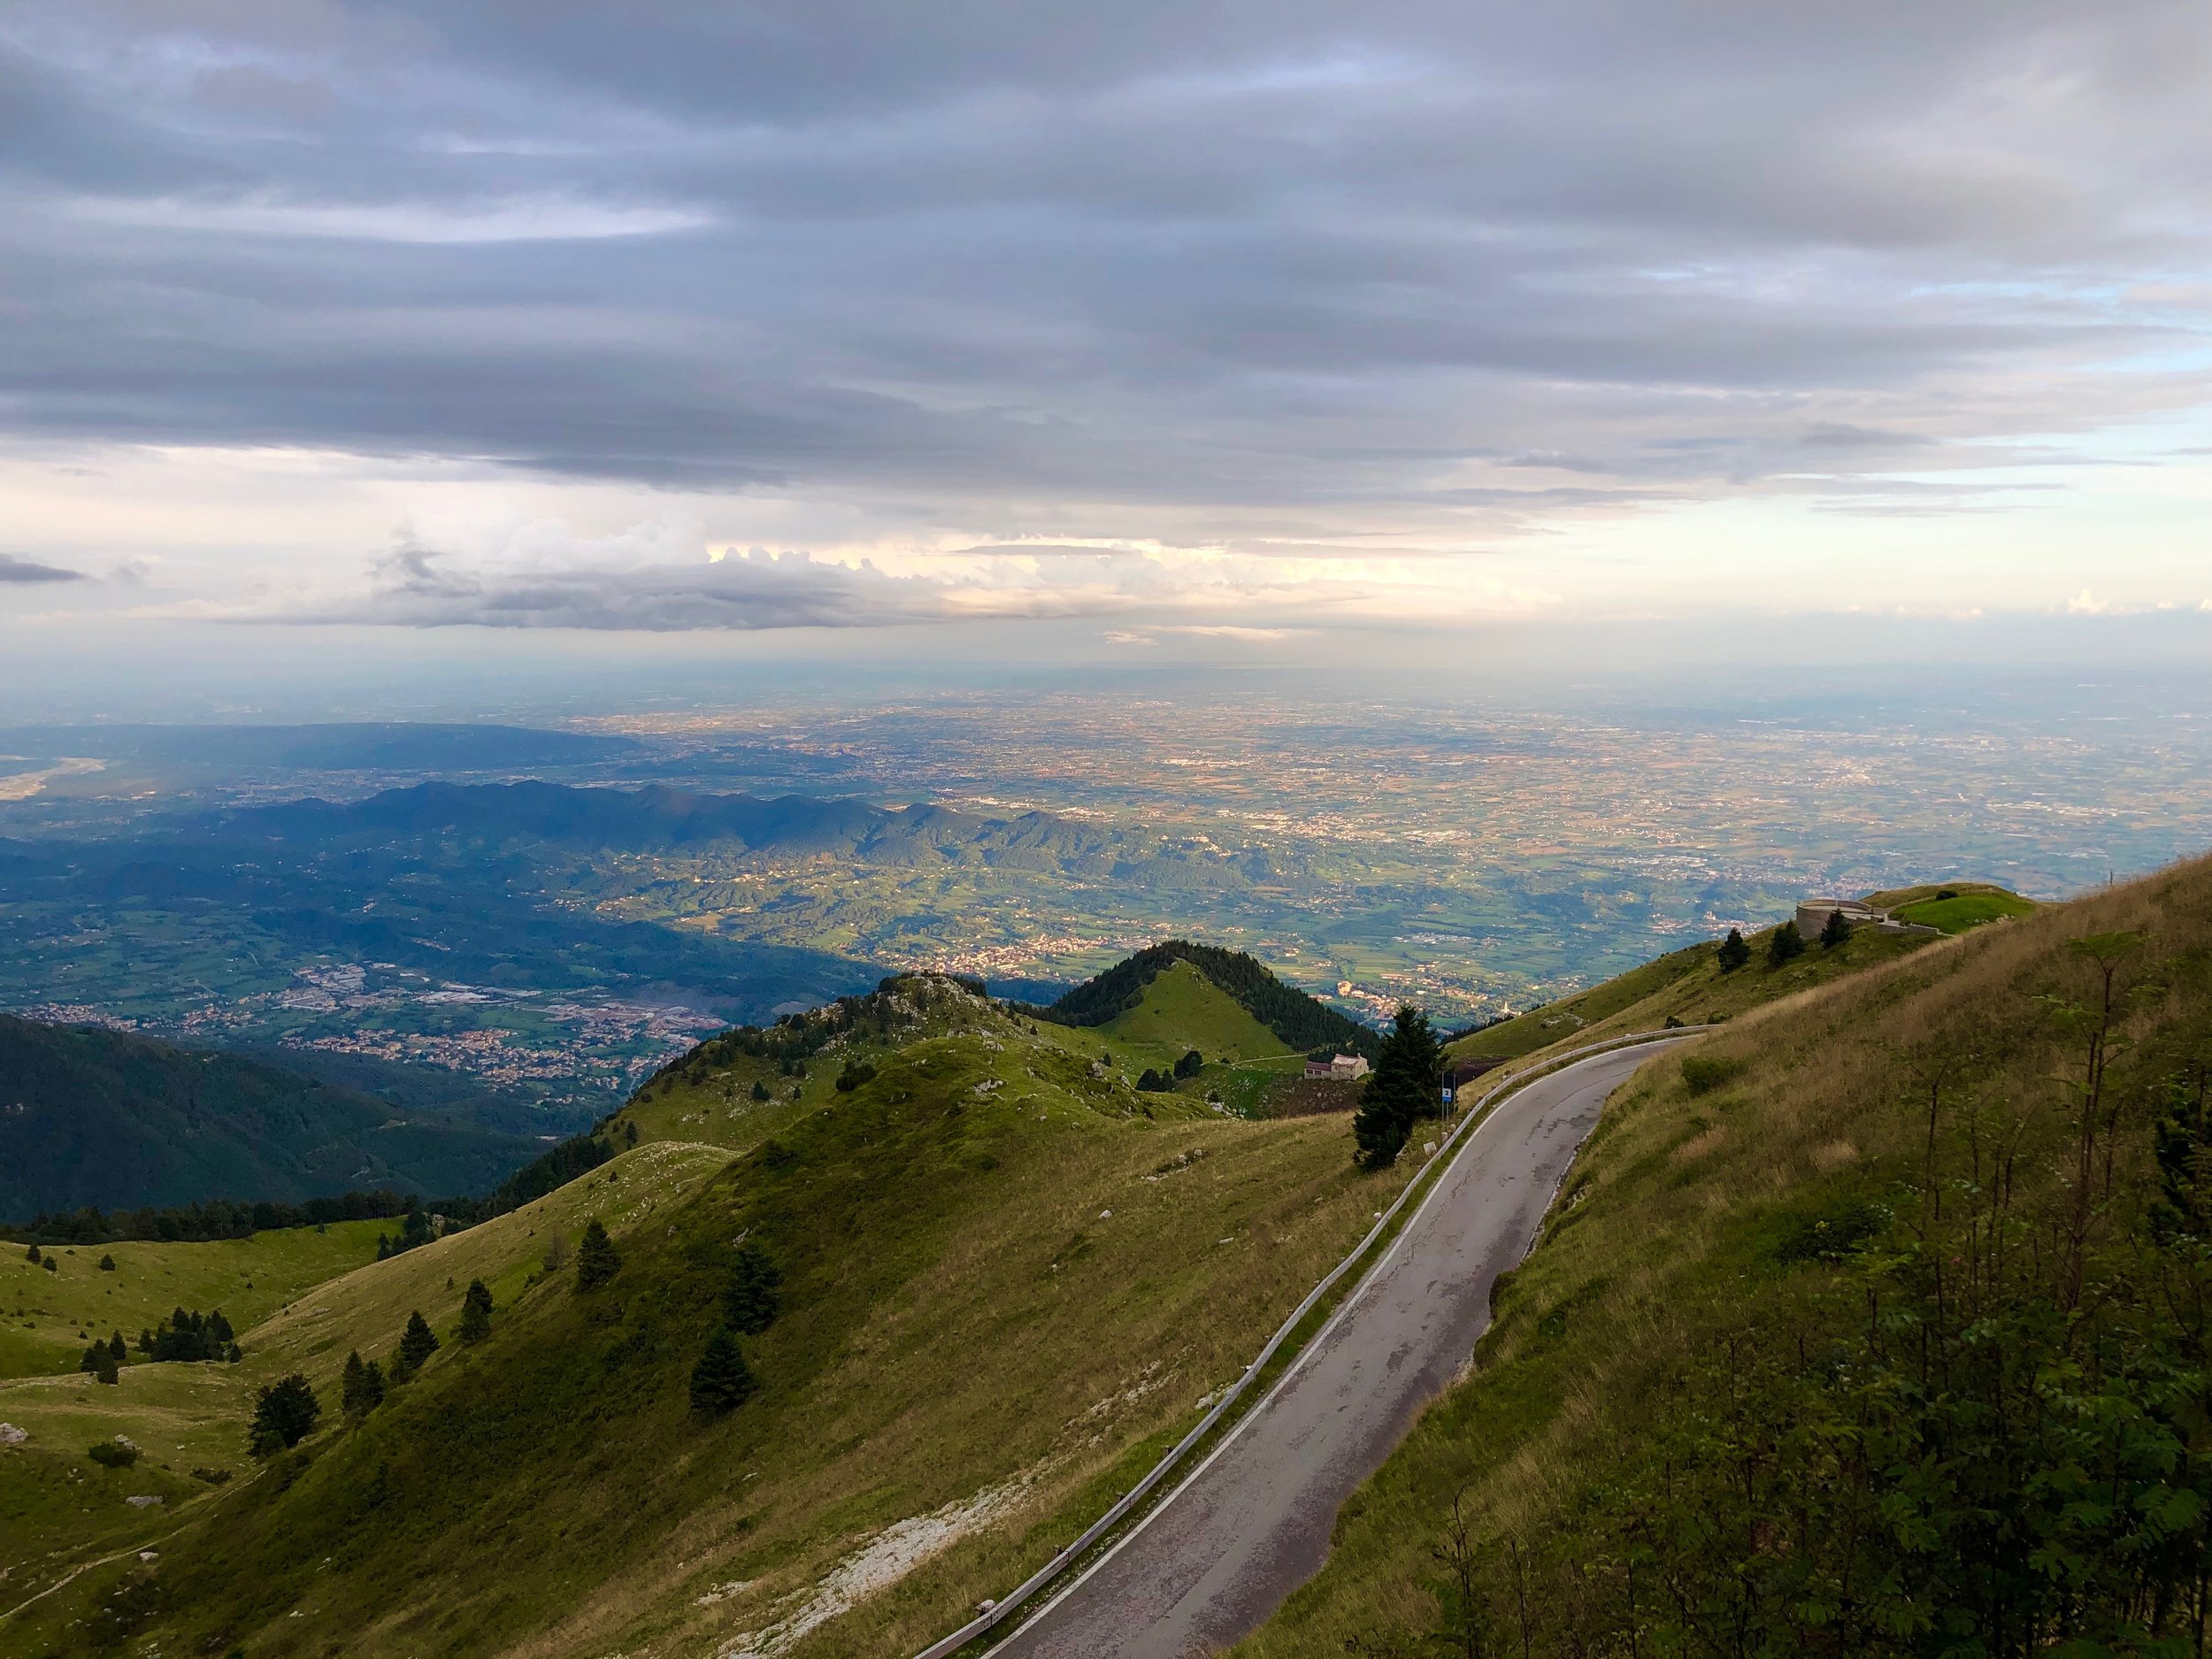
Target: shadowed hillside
{"type": "Point", "coordinates": [100, 1117]}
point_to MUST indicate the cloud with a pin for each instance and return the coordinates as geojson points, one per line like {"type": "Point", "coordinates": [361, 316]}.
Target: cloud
{"type": "Point", "coordinates": [21, 570]}
{"type": "Point", "coordinates": [413, 587]}
{"type": "Point", "coordinates": [1030, 285]}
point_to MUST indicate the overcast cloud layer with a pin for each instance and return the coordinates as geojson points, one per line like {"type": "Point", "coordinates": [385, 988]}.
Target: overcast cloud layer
{"type": "Point", "coordinates": [1286, 283]}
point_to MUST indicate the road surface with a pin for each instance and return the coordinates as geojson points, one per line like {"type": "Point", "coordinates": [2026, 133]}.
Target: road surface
{"type": "Point", "coordinates": [1252, 1522]}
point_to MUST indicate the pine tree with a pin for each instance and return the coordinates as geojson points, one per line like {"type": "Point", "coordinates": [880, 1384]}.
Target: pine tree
{"type": "Point", "coordinates": [117, 1347]}
{"type": "Point", "coordinates": [596, 1260]}
{"type": "Point", "coordinates": [755, 1295]}
{"type": "Point", "coordinates": [721, 1381]}
{"type": "Point", "coordinates": [760, 1090]}
{"type": "Point", "coordinates": [33, 1257]}
{"type": "Point", "coordinates": [416, 1344]}
{"type": "Point", "coordinates": [1787, 944]}
{"type": "Point", "coordinates": [1837, 929]}
{"type": "Point", "coordinates": [1733, 952]}
{"type": "Point", "coordinates": [107, 1264]}
{"type": "Point", "coordinates": [284, 1414]}
{"type": "Point", "coordinates": [476, 1313]}
{"type": "Point", "coordinates": [1400, 1091]}
{"type": "Point", "coordinates": [362, 1387]}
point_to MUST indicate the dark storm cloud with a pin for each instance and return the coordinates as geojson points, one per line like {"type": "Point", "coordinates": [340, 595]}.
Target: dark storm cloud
{"type": "Point", "coordinates": [1220, 269]}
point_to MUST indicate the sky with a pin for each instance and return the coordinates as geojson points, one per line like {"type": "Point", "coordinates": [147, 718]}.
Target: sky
{"type": "Point", "coordinates": [336, 330]}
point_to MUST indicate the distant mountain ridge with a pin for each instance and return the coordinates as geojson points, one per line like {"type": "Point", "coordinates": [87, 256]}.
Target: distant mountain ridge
{"type": "Point", "coordinates": [660, 818]}
{"type": "Point", "coordinates": [1300, 1020]}
{"type": "Point", "coordinates": [89, 1116]}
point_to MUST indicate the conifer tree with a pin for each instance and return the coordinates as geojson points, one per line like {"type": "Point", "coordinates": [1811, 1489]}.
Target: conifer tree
{"type": "Point", "coordinates": [362, 1387]}
{"type": "Point", "coordinates": [476, 1313]}
{"type": "Point", "coordinates": [1836, 930]}
{"type": "Point", "coordinates": [1400, 1091]}
{"type": "Point", "coordinates": [756, 1293]}
{"type": "Point", "coordinates": [416, 1344]}
{"type": "Point", "coordinates": [1787, 944]}
{"type": "Point", "coordinates": [596, 1260]}
{"type": "Point", "coordinates": [721, 1381]}
{"type": "Point", "coordinates": [284, 1413]}
{"type": "Point", "coordinates": [1733, 952]}
{"type": "Point", "coordinates": [118, 1348]}
{"type": "Point", "coordinates": [353, 1386]}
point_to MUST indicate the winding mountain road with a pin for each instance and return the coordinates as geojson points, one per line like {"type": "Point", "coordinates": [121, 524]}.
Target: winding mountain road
{"type": "Point", "coordinates": [1252, 1522]}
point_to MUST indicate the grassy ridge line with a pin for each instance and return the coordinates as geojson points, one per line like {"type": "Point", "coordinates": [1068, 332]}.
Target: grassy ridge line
{"type": "Point", "coordinates": [1291, 1338]}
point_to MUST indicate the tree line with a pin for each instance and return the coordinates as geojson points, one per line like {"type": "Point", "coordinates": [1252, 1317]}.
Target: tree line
{"type": "Point", "coordinates": [217, 1219]}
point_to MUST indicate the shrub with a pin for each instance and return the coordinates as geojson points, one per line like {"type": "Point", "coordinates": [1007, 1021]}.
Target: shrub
{"type": "Point", "coordinates": [476, 1313]}
{"type": "Point", "coordinates": [754, 1296]}
{"type": "Point", "coordinates": [362, 1389]}
{"type": "Point", "coordinates": [1786, 944]}
{"type": "Point", "coordinates": [107, 1264]}
{"type": "Point", "coordinates": [417, 1343]}
{"type": "Point", "coordinates": [1832, 1233]}
{"type": "Point", "coordinates": [1705, 1073]}
{"type": "Point", "coordinates": [1191, 1065]}
{"type": "Point", "coordinates": [284, 1414]}
{"type": "Point", "coordinates": [596, 1258]}
{"type": "Point", "coordinates": [721, 1381]}
{"type": "Point", "coordinates": [189, 1336]}
{"type": "Point", "coordinates": [112, 1454]}
{"type": "Point", "coordinates": [855, 1073]}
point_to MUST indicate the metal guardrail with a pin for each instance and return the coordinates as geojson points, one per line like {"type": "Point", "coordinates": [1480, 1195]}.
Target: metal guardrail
{"type": "Point", "coordinates": [1475, 1114]}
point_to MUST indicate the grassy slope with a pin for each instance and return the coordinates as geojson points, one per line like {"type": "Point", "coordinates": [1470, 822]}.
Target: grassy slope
{"type": "Point", "coordinates": [1685, 985]}
{"type": "Point", "coordinates": [1956, 914]}
{"type": "Point", "coordinates": [49, 1315]}
{"type": "Point", "coordinates": [1183, 1009]}
{"type": "Point", "coordinates": [1670, 1221]}
{"type": "Point", "coordinates": [193, 1416]}
{"type": "Point", "coordinates": [550, 1492]}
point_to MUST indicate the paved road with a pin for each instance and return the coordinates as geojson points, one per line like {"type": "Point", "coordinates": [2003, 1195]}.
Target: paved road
{"type": "Point", "coordinates": [1253, 1523]}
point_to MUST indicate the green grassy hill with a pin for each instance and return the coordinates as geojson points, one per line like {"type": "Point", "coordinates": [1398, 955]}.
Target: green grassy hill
{"type": "Point", "coordinates": [1008, 1280]}
{"type": "Point", "coordinates": [101, 1117]}
{"type": "Point", "coordinates": [49, 1316]}
{"type": "Point", "coordinates": [1690, 985]}
{"type": "Point", "coordinates": [1181, 1010]}
{"type": "Point", "coordinates": [1870, 1324]}
{"type": "Point", "coordinates": [1297, 1020]}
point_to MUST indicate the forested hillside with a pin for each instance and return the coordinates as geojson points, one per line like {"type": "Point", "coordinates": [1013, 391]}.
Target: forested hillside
{"type": "Point", "coordinates": [100, 1117]}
